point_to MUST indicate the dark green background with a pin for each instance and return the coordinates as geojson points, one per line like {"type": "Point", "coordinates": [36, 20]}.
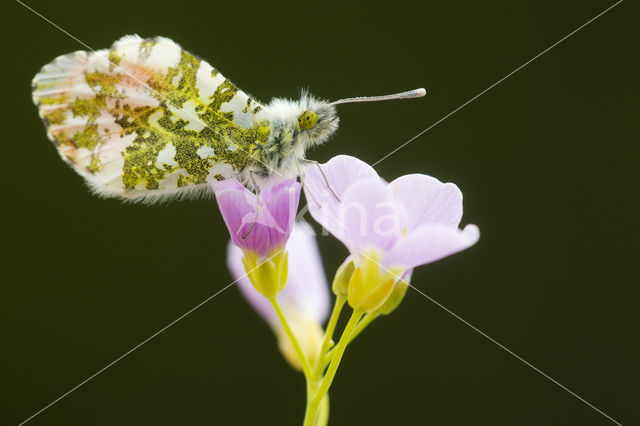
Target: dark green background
{"type": "Point", "coordinates": [544, 160]}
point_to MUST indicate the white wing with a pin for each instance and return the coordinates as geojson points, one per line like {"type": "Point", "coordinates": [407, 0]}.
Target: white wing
{"type": "Point", "coordinates": [146, 119]}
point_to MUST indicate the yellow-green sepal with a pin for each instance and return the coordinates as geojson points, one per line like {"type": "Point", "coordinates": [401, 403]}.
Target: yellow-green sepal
{"type": "Point", "coordinates": [394, 299]}
{"type": "Point", "coordinates": [268, 275]}
{"type": "Point", "coordinates": [369, 287]}
{"type": "Point", "coordinates": [340, 285]}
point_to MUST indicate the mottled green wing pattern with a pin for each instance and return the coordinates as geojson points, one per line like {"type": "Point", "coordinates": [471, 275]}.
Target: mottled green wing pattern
{"type": "Point", "coordinates": [146, 119]}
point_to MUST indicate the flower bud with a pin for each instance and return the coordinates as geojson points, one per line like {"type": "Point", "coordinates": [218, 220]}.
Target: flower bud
{"type": "Point", "coordinates": [343, 276]}
{"type": "Point", "coordinates": [268, 275]}
{"type": "Point", "coordinates": [309, 335]}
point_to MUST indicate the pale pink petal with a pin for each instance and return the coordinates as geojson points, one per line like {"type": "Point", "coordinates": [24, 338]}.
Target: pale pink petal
{"type": "Point", "coordinates": [430, 243]}
{"type": "Point", "coordinates": [340, 172]}
{"type": "Point", "coordinates": [428, 200]}
{"type": "Point", "coordinates": [370, 215]}
{"type": "Point", "coordinates": [306, 287]}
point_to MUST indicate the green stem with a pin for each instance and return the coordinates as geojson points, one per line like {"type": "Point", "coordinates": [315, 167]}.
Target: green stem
{"type": "Point", "coordinates": [323, 411]}
{"type": "Point", "coordinates": [328, 335]}
{"type": "Point", "coordinates": [368, 318]}
{"type": "Point", "coordinates": [309, 416]}
{"type": "Point", "coordinates": [312, 406]}
{"type": "Point", "coordinates": [306, 368]}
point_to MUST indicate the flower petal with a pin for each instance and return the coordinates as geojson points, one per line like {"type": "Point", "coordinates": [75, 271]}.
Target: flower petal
{"type": "Point", "coordinates": [282, 201]}
{"type": "Point", "coordinates": [340, 172]}
{"type": "Point", "coordinates": [430, 243]}
{"type": "Point", "coordinates": [428, 200]}
{"type": "Point", "coordinates": [370, 216]}
{"type": "Point", "coordinates": [236, 204]}
{"type": "Point", "coordinates": [306, 288]}
{"type": "Point", "coordinates": [270, 226]}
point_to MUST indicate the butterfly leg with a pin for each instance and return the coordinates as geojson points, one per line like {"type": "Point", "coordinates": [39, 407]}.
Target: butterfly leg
{"type": "Point", "coordinates": [302, 175]}
{"type": "Point", "coordinates": [255, 218]}
{"type": "Point", "coordinates": [326, 181]}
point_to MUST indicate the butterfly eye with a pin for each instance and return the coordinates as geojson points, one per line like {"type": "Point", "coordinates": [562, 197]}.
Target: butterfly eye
{"type": "Point", "coordinates": [307, 120]}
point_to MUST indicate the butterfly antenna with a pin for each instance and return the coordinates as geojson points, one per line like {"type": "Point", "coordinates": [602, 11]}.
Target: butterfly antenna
{"type": "Point", "coordinates": [416, 93]}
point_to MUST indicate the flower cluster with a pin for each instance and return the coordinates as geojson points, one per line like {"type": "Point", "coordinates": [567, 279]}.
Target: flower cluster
{"type": "Point", "coordinates": [388, 229]}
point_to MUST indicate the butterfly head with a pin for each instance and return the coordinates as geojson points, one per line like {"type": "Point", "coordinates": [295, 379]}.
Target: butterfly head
{"type": "Point", "coordinates": [316, 121]}
{"type": "Point", "coordinates": [299, 125]}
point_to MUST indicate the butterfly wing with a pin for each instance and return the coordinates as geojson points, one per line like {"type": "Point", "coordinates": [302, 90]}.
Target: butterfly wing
{"type": "Point", "coordinates": [145, 119]}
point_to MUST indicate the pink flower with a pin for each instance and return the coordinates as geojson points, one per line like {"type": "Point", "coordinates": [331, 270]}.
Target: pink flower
{"type": "Point", "coordinates": [304, 300]}
{"type": "Point", "coordinates": [410, 221]}
{"type": "Point", "coordinates": [395, 226]}
{"type": "Point", "coordinates": [268, 230]}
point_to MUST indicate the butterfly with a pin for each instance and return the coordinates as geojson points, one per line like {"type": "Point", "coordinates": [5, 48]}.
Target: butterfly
{"type": "Point", "coordinates": [145, 120]}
